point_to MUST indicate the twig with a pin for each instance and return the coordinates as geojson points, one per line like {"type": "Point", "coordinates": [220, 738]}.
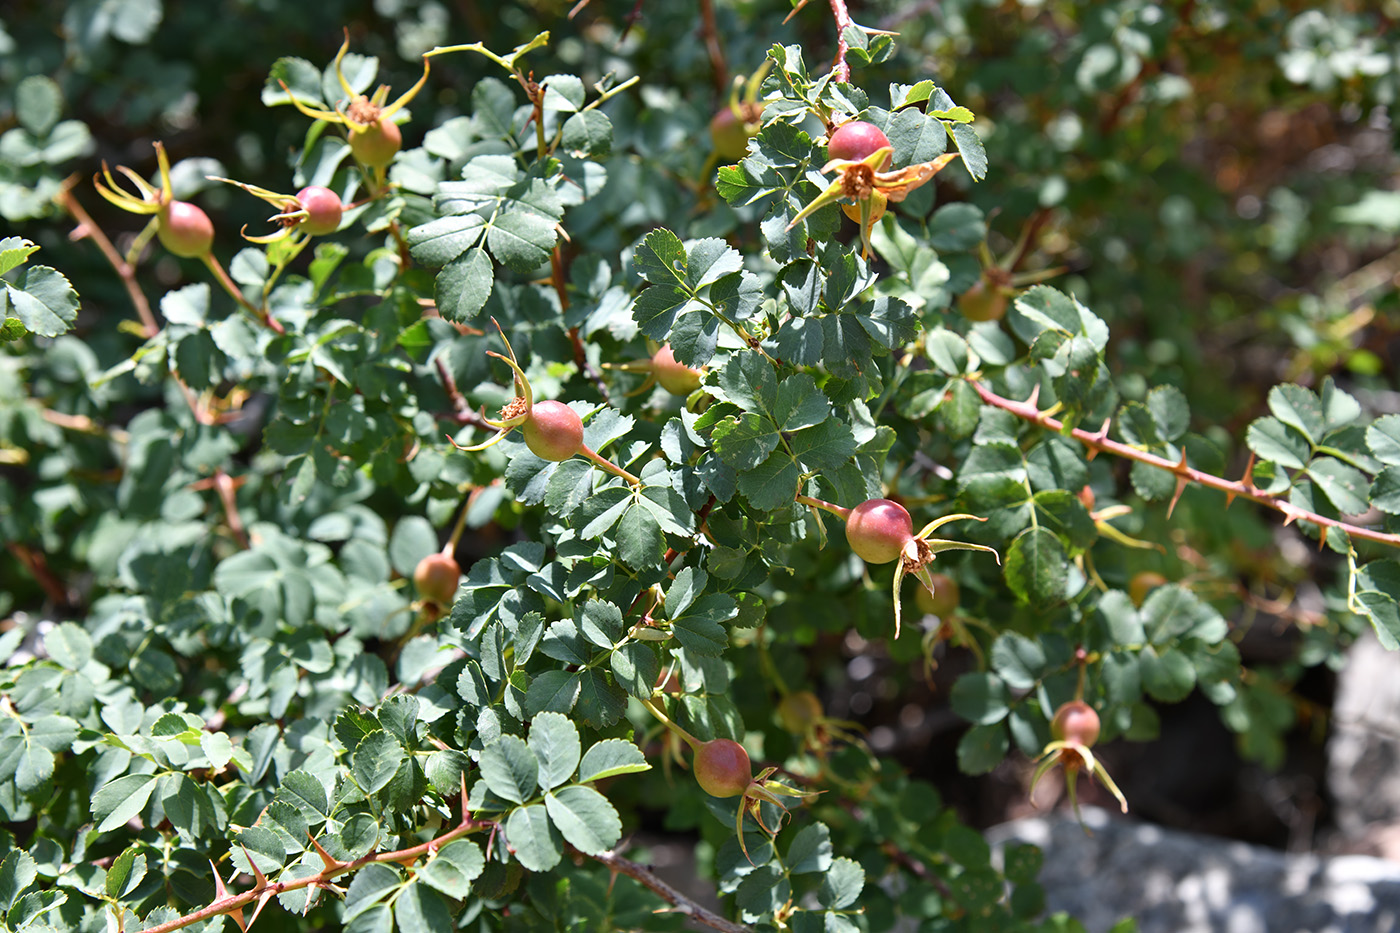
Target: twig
{"type": "Point", "coordinates": [461, 412]}
{"type": "Point", "coordinates": [84, 425]}
{"type": "Point", "coordinates": [263, 890]}
{"type": "Point", "coordinates": [1243, 488]}
{"type": "Point", "coordinates": [261, 314]}
{"type": "Point", "coordinates": [839, 69]}
{"type": "Point", "coordinates": [87, 227]}
{"type": "Point", "coordinates": [35, 563]}
{"type": "Point", "coordinates": [685, 905]}
{"type": "Point", "coordinates": [710, 30]}
{"type": "Point", "coordinates": [226, 487]}
{"type": "Point", "coordinates": [561, 288]}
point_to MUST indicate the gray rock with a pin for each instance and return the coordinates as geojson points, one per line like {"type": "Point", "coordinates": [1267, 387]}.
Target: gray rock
{"type": "Point", "coordinates": [1176, 882]}
{"type": "Point", "coordinates": [1363, 748]}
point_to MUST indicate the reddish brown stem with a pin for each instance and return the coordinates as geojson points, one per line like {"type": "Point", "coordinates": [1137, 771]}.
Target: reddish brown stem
{"type": "Point", "coordinates": [586, 451]}
{"type": "Point", "coordinates": [670, 895]}
{"type": "Point", "coordinates": [1243, 488]}
{"type": "Point", "coordinates": [461, 412]}
{"type": "Point", "coordinates": [839, 69]}
{"type": "Point", "coordinates": [88, 228]}
{"type": "Point", "coordinates": [38, 567]}
{"type": "Point", "coordinates": [710, 30]}
{"type": "Point", "coordinates": [226, 488]}
{"type": "Point", "coordinates": [234, 903]}
{"type": "Point", "coordinates": [214, 266]}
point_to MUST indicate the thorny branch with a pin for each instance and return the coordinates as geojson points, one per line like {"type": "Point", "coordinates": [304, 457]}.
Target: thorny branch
{"type": "Point", "coordinates": [264, 890]}
{"type": "Point", "coordinates": [669, 894]}
{"type": "Point", "coordinates": [839, 69]}
{"type": "Point", "coordinates": [1243, 487]}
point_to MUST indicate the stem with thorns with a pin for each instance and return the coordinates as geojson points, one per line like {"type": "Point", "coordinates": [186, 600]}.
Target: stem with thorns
{"type": "Point", "coordinates": [839, 69]}
{"type": "Point", "coordinates": [685, 905]}
{"type": "Point", "coordinates": [1243, 488]}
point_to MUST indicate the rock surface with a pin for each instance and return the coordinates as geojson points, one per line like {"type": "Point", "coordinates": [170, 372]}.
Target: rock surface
{"type": "Point", "coordinates": [1363, 751]}
{"type": "Point", "coordinates": [1175, 882]}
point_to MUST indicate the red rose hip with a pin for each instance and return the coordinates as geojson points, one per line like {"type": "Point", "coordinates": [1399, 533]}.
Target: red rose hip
{"type": "Point", "coordinates": [856, 140]}
{"type": "Point", "coordinates": [436, 577]}
{"type": "Point", "coordinates": [722, 768]}
{"type": "Point", "coordinates": [553, 431]}
{"type": "Point", "coordinates": [185, 229]}
{"type": "Point", "coordinates": [323, 210]}
{"type": "Point", "coordinates": [877, 530]}
{"type": "Point", "coordinates": [1076, 721]}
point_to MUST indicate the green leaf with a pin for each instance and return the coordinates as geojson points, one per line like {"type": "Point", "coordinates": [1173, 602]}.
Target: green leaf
{"type": "Point", "coordinates": [700, 630]}
{"type": "Point", "coordinates": [522, 239]}
{"type": "Point", "coordinates": [1383, 437]}
{"type": "Point", "coordinates": [119, 800]}
{"type": "Point", "coordinates": [369, 886]}
{"type": "Point", "coordinates": [126, 873]}
{"type": "Point", "coordinates": [588, 134]}
{"type": "Point", "coordinates": [601, 623]}
{"type": "Point", "coordinates": [610, 758]}
{"type": "Point", "coordinates": [453, 868]}
{"type": "Point", "coordinates": [442, 241]}
{"type": "Point", "coordinates": [1345, 487]}
{"type": "Point", "coordinates": [1018, 660]}
{"type": "Point", "coordinates": [553, 690]}
{"type": "Point", "coordinates": [639, 539]}
{"type": "Point", "coordinates": [773, 483]}
{"type": "Point", "coordinates": [17, 872]}
{"type": "Point", "coordinates": [1272, 439]}
{"type": "Point", "coordinates": [635, 666]}
{"type": "Point", "coordinates": [1298, 408]}
{"type": "Point", "coordinates": [38, 104]}
{"type": "Point", "coordinates": [585, 818]}
{"type": "Point", "coordinates": [811, 850]}
{"type": "Point", "coordinates": [842, 884]}
{"type": "Point", "coordinates": [600, 703]}
{"type": "Point", "coordinates": [981, 698]}
{"type": "Point", "coordinates": [510, 769]}
{"type": "Point", "coordinates": [15, 252]}
{"type": "Point", "coordinates": [1384, 615]}
{"type": "Point", "coordinates": [1385, 491]}
{"type": "Point", "coordinates": [1037, 570]}
{"type": "Point", "coordinates": [992, 473]}
{"type": "Point", "coordinates": [745, 441]}
{"type": "Point", "coordinates": [302, 790]}
{"type": "Point", "coordinates": [375, 760]}
{"type": "Point", "coordinates": [554, 740]}
{"type": "Point", "coordinates": [1167, 676]}
{"type": "Point", "coordinates": [464, 285]}
{"type": "Point", "coordinates": [42, 300]}
{"type": "Point", "coordinates": [532, 837]}
{"type": "Point", "coordinates": [420, 908]}
{"type": "Point", "coordinates": [982, 748]}
{"type": "Point", "coordinates": [661, 258]}
{"type": "Point", "coordinates": [69, 645]}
